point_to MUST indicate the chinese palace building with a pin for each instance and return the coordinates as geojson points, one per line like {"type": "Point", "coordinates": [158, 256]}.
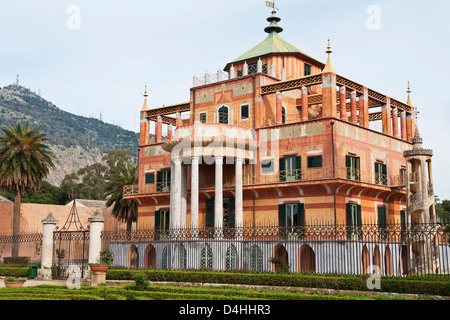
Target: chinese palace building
{"type": "Point", "coordinates": [281, 140]}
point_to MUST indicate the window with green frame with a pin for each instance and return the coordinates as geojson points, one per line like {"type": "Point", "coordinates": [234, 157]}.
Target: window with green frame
{"type": "Point", "coordinates": [245, 111]}
{"type": "Point", "coordinates": [267, 166]}
{"type": "Point", "coordinates": [291, 215]}
{"type": "Point", "coordinates": [382, 217]}
{"type": "Point", "coordinates": [229, 212]}
{"type": "Point", "coordinates": [161, 222]}
{"type": "Point", "coordinates": [382, 221]}
{"type": "Point", "coordinates": [149, 178]}
{"type": "Point", "coordinates": [307, 69]}
{"type": "Point", "coordinates": [223, 114]}
{"type": "Point", "coordinates": [380, 173]}
{"type": "Point", "coordinates": [163, 181]}
{"type": "Point", "coordinates": [202, 117]}
{"type": "Point", "coordinates": [354, 220]}
{"type": "Point", "coordinates": [352, 164]}
{"type": "Point", "coordinates": [290, 168]}
{"type": "Point", "coordinates": [403, 223]}
{"type": "Point", "coordinates": [314, 161]}
{"type": "Point", "coordinates": [403, 175]}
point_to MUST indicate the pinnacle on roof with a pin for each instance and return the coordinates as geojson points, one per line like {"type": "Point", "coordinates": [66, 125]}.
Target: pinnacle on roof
{"type": "Point", "coordinates": [272, 44]}
{"type": "Point", "coordinates": [329, 65]}
{"type": "Point", "coordinates": [273, 27]}
{"type": "Point", "coordinates": [145, 106]}
{"type": "Point", "coordinates": [409, 103]}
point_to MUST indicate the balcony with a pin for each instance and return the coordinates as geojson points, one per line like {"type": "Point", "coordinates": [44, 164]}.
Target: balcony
{"type": "Point", "coordinates": [290, 176]}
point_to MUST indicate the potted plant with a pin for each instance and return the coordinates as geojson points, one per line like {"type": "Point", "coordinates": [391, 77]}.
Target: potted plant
{"type": "Point", "coordinates": [61, 254]}
{"type": "Point", "coordinates": [14, 283]}
{"type": "Point", "coordinates": [106, 259]}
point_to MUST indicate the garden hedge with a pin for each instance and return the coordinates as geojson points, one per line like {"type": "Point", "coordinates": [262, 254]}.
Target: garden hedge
{"type": "Point", "coordinates": [337, 282]}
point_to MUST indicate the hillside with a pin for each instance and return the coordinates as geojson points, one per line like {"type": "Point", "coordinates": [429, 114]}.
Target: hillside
{"type": "Point", "coordinates": [76, 140]}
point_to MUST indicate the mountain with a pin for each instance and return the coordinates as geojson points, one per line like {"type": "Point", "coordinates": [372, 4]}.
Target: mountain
{"type": "Point", "coordinates": [76, 140]}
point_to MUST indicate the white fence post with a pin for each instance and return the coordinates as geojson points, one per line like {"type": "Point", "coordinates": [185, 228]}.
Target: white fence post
{"type": "Point", "coordinates": [49, 225]}
{"type": "Point", "coordinates": [97, 222]}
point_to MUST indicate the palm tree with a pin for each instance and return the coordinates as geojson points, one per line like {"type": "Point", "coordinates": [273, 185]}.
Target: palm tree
{"type": "Point", "coordinates": [25, 161]}
{"type": "Point", "coordinates": [123, 209]}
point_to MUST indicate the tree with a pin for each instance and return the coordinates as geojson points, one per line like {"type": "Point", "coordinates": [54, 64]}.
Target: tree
{"type": "Point", "coordinates": [443, 210]}
{"type": "Point", "coordinates": [123, 209]}
{"type": "Point", "coordinates": [25, 161]}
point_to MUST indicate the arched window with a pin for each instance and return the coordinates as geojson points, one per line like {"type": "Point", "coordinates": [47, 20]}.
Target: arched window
{"type": "Point", "coordinates": [255, 261]}
{"type": "Point", "coordinates": [306, 260]}
{"type": "Point", "coordinates": [283, 115]}
{"type": "Point", "coordinates": [206, 257]}
{"type": "Point", "coordinates": [133, 257]}
{"type": "Point", "coordinates": [365, 260]}
{"type": "Point", "coordinates": [280, 260]}
{"type": "Point", "coordinates": [231, 258]}
{"type": "Point", "coordinates": [150, 257]}
{"type": "Point", "coordinates": [388, 261]}
{"type": "Point", "coordinates": [222, 114]}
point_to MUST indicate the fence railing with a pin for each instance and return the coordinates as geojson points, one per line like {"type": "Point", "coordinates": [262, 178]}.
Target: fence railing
{"type": "Point", "coordinates": [292, 175]}
{"type": "Point", "coordinates": [396, 250]}
{"type": "Point", "coordinates": [27, 245]}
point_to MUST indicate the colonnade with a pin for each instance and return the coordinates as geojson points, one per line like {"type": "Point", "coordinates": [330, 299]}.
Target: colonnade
{"type": "Point", "coordinates": [178, 192]}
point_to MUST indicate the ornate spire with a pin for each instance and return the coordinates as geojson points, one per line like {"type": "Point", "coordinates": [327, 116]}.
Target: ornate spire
{"type": "Point", "coordinates": [409, 103]}
{"type": "Point", "coordinates": [329, 65]}
{"type": "Point", "coordinates": [145, 106]}
{"type": "Point", "coordinates": [417, 140]}
{"type": "Point", "coordinates": [273, 27]}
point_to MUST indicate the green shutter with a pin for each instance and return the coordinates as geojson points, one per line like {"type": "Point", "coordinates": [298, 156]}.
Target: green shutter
{"type": "Point", "coordinates": [282, 169]}
{"type": "Point", "coordinates": [382, 217]}
{"type": "Point", "coordinates": [301, 212]}
{"type": "Point", "coordinates": [158, 181]}
{"type": "Point", "coordinates": [298, 165]}
{"type": "Point", "coordinates": [358, 215]}
{"type": "Point", "coordinates": [281, 215]}
{"type": "Point", "coordinates": [157, 220]}
{"type": "Point", "coordinates": [232, 211]}
{"type": "Point", "coordinates": [349, 213]}
{"type": "Point", "coordinates": [149, 178]}
{"type": "Point", "coordinates": [209, 215]}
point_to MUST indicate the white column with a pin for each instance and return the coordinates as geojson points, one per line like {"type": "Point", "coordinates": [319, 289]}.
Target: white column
{"type": "Point", "coordinates": [239, 218]}
{"type": "Point", "coordinates": [194, 192]}
{"type": "Point", "coordinates": [172, 210]}
{"type": "Point", "coordinates": [49, 225]}
{"type": "Point", "coordinates": [176, 202]}
{"type": "Point", "coordinates": [183, 214]}
{"type": "Point", "coordinates": [218, 201]}
{"type": "Point", "coordinates": [96, 224]}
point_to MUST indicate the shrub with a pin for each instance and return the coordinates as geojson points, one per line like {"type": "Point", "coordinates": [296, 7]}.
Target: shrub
{"type": "Point", "coordinates": [337, 282]}
{"type": "Point", "coordinates": [16, 260]}
{"type": "Point", "coordinates": [140, 281]}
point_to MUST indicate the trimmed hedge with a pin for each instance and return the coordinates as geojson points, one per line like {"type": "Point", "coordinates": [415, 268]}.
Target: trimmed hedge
{"type": "Point", "coordinates": [337, 282]}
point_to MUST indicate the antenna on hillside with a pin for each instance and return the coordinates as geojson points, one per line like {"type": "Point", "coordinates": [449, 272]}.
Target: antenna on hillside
{"type": "Point", "coordinates": [17, 80]}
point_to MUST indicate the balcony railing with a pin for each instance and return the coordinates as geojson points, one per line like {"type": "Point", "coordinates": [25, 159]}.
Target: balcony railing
{"type": "Point", "coordinates": [290, 176]}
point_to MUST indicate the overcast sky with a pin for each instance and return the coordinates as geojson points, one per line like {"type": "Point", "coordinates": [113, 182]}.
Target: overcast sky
{"type": "Point", "coordinates": [94, 57]}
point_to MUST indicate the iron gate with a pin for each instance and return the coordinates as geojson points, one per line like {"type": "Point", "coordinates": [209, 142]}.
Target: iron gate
{"type": "Point", "coordinates": [71, 247]}
{"type": "Point", "coordinates": [71, 253]}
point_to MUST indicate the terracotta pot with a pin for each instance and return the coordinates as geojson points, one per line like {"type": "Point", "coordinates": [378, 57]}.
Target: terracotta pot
{"type": "Point", "coordinates": [14, 284]}
{"type": "Point", "coordinates": [99, 268]}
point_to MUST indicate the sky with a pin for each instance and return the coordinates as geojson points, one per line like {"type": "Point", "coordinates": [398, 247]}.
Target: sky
{"type": "Point", "coordinates": [93, 58]}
